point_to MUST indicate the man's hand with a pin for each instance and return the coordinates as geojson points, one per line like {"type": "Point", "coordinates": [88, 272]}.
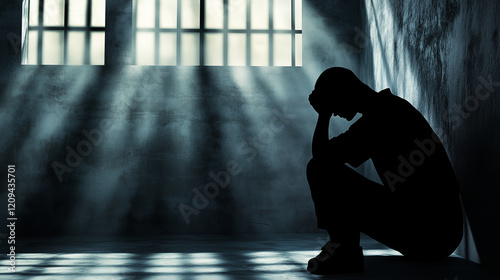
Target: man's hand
{"type": "Point", "coordinates": [319, 104]}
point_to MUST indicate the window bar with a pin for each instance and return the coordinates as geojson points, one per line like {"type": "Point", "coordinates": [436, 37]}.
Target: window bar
{"type": "Point", "coordinates": [65, 38]}
{"type": "Point", "coordinates": [87, 33]}
{"type": "Point", "coordinates": [202, 33]}
{"type": "Point", "coordinates": [293, 33]}
{"type": "Point", "coordinates": [40, 32]}
{"type": "Point", "coordinates": [25, 41]}
{"type": "Point", "coordinates": [271, 33]}
{"type": "Point", "coordinates": [178, 47]}
{"type": "Point", "coordinates": [134, 32]}
{"type": "Point", "coordinates": [225, 35]}
{"type": "Point", "coordinates": [249, 14]}
{"type": "Point", "coordinates": [157, 32]}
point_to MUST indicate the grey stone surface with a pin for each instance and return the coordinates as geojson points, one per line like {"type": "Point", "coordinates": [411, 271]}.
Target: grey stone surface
{"type": "Point", "coordinates": [216, 257]}
{"type": "Point", "coordinates": [166, 130]}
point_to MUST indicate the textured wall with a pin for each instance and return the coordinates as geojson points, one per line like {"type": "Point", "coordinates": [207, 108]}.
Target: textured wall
{"type": "Point", "coordinates": [131, 143]}
{"type": "Point", "coordinates": [443, 57]}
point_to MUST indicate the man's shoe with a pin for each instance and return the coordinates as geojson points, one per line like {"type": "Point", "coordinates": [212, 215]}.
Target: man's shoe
{"type": "Point", "coordinates": [335, 258]}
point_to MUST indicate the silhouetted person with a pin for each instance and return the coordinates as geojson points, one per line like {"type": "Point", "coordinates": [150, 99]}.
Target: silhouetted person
{"type": "Point", "coordinates": [416, 211]}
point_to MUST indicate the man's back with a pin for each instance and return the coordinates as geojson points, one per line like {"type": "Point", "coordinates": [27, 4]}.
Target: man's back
{"type": "Point", "coordinates": [407, 151]}
{"type": "Point", "coordinates": [411, 160]}
{"type": "Point", "coordinates": [402, 145]}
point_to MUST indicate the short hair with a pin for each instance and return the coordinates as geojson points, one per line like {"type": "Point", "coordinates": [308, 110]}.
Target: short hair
{"type": "Point", "coordinates": [338, 80]}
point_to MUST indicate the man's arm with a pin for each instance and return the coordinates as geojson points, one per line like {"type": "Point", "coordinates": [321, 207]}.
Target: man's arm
{"type": "Point", "coordinates": [353, 146]}
{"type": "Point", "coordinates": [320, 136]}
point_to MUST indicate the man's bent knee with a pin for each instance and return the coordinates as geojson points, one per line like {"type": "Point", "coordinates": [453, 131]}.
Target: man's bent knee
{"type": "Point", "coordinates": [324, 170]}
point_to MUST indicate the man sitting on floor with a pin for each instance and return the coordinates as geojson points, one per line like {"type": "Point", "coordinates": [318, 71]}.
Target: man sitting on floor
{"type": "Point", "coordinates": [416, 211]}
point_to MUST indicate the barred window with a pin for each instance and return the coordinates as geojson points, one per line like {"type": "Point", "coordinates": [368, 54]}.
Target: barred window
{"type": "Point", "coordinates": [65, 32]}
{"type": "Point", "coordinates": [217, 32]}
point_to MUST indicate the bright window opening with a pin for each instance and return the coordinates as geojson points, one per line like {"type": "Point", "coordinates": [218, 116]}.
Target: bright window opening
{"type": "Point", "coordinates": [65, 32]}
{"type": "Point", "coordinates": [217, 32]}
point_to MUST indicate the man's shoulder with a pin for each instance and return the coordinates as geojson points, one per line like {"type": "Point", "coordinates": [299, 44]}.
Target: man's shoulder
{"type": "Point", "coordinates": [386, 92]}
{"type": "Point", "coordinates": [391, 114]}
{"type": "Point", "coordinates": [389, 97]}
{"type": "Point", "coordinates": [390, 103]}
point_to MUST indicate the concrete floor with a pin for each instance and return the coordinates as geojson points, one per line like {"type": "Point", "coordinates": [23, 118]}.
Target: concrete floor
{"type": "Point", "coordinates": [211, 258]}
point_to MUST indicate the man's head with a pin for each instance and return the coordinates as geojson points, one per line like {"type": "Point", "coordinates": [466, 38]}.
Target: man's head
{"type": "Point", "coordinates": [341, 91]}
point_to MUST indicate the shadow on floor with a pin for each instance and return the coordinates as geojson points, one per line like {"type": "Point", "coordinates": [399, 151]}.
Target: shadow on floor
{"type": "Point", "coordinates": [211, 257]}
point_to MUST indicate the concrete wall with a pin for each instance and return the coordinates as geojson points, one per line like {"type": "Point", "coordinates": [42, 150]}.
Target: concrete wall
{"type": "Point", "coordinates": [132, 143]}
{"type": "Point", "coordinates": [443, 57]}
{"type": "Point", "coordinates": [165, 129]}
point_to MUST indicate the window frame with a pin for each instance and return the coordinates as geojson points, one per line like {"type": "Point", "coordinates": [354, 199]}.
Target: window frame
{"type": "Point", "coordinates": [127, 52]}
{"type": "Point", "coordinates": [225, 31]}
{"type": "Point", "coordinates": [40, 28]}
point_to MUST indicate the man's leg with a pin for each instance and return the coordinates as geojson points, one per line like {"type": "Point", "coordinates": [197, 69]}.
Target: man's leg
{"type": "Point", "coordinates": [347, 203]}
{"type": "Point", "coordinates": [419, 226]}
{"type": "Point", "coordinates": [341, 197]}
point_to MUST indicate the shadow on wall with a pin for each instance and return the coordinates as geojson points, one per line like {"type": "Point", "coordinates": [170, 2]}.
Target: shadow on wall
{"type": "Point", "coordinates": [113, 150]}
{"type": "Point", "coordinates": [441, 57]}
{"type": "Point", "coordinates": [116, 149]}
